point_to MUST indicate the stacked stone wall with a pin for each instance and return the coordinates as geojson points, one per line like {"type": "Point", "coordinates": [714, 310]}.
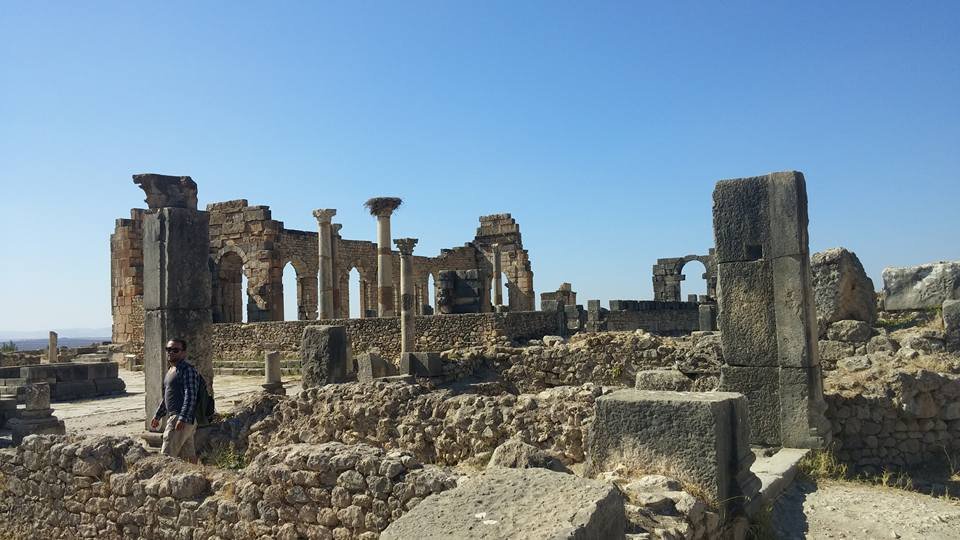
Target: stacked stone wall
{"type": "Point", "coordinates": [437, 427]}
{"type": "Point", "coordinates": [247, 341]}
{"type": "Point", "coordinates": [664, 318]}
{"type": "Point", "coordinates": [108, 487]}
{"type": "Point", "coordinates": [897, 421]}
{"type": "Point", "coordinates": [126, 282]}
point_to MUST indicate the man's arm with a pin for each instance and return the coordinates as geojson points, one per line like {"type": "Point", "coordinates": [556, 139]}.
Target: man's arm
{"type": "Point", "coordinates": [191, 385]}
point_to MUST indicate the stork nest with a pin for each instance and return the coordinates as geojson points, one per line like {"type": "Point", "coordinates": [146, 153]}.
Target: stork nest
{"type": "Point", "coordinates": [378, 205]}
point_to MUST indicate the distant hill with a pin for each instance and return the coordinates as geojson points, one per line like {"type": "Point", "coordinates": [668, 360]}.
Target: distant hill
{"type": "Point", "coordinates": [39, 344]}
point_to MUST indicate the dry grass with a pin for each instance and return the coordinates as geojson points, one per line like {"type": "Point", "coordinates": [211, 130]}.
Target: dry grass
{"type": "Point", "coordinates": [632, 462]}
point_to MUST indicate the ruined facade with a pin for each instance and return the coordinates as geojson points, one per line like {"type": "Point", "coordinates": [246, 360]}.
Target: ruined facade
{"type": "Point", "coordinates": [245, 241]}
{"type": "Point", "coordinates": [668, 273]}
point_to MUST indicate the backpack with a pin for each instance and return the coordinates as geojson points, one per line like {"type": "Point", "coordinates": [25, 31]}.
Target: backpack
{"type": "Point", "coordinates": [205, 404]}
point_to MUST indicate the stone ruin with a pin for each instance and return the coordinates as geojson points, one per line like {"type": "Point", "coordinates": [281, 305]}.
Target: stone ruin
{"type": "Point", "coordinates": [617, 432]}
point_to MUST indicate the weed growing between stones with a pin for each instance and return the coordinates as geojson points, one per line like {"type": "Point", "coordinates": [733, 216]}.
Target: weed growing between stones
{"type": "Point", "coordinates": [225, 456]}
{"type": "Point", "coordinates": [761, 525]}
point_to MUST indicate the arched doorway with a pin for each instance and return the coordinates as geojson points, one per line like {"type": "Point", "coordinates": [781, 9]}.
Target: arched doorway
{"type": "Point", "coordinates": [693, 279]}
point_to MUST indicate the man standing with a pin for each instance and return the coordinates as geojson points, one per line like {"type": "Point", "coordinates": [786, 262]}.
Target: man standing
{"type": "Point", "coordinates": [180, 387]}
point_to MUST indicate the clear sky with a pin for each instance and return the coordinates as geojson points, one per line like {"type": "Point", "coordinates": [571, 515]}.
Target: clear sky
{"type": "Point", "coordinates": [601, 126]}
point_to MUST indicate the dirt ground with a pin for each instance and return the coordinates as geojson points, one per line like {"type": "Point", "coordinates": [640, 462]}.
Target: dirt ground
{"type": "Point", "coordinates": [861, 511]}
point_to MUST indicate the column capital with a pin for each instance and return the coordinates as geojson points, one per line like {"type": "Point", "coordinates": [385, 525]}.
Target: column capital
{"type": "Point", "coordinates": [324, 215]}
{"type": "Point", "coordinates": [405, 245]}
{"type": "Point", "coordinates": [383, 206]}
{"type": "Point", "coordinates": [336, 228]}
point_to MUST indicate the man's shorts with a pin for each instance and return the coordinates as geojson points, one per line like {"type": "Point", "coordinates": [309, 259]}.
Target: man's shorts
{"type": "Point", "coordinates": [179, 443]}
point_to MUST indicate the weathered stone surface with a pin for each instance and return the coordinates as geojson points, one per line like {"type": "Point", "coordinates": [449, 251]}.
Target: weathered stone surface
{"type": "Point", "coordinates": [841, 287]}
{"type": "Point", "coordinates": [703, 436]}
{"type": "Point", "coordinates": [760, 217]}
{"type": "Point", "coordinates": [176, 252]}
{"type": "Point", "coordinates": [850, 331]}
{"type": "Point", "coordinates": [761, 388]}
{"type": "Point", "coordinates": [517, 503]}
{"type": "Point", "coordinates": [951, 322]}
{"type": "Point", "coordinates": [803, 423]}
{"type": "Point", "coordinates": [747, 321]}
{"type": "Point", "coordinates": [165, 191]}
{"type": "Point", "coordinates": [795, 314]}
{"type": "Point", "coordinates": [422, 364]}
{"type": "Point", "coordinates": [516, 454]}
{"type": "Point", "coordinates": [663, 379]}
{"type": "Point", "coordinates": [921, 287]}
{"type": "Point", "coordinates": [323, 355]}
{"type": "Point", "coordinates": [372, 366]}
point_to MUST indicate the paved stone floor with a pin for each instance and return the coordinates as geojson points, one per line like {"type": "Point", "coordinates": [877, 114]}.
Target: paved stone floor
{"type": "Point", "coordinates": [124, 414]}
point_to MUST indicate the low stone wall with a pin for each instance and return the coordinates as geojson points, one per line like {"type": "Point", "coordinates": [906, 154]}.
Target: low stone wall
{"type": "Point", "coordinates": [602, 358]}
{"type": "Point", "coordinates": [247, 341]}
{"type": "Point", "coordinates": [893, 419]}
{"type": "Point", "coordinates": [108, 487]}
{"type": "Point", "coordinates": [435, 426]}
{"type": "Point", "coordinates": [663, 318]}
{"type": "Point", "coordinates": [68, 380]}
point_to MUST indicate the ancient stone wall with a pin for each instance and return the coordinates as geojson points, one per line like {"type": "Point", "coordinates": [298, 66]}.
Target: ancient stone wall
{"type": "Point", "coordinates": [664, 318]}
{"type": "Point", "coordinates": [126, 282]}
{"type": "Point", "coordinates": [247, 341]}
{"type": "Point", "coordinates": [435, 426]}
{"type": "Point", "coordinates": [898, 421]}
{"type": "Point", "coordinates": [108, 487]}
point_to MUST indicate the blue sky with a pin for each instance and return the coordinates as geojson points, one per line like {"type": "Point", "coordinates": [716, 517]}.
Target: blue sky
{"type": "Point", "coordinates": [601, 126]}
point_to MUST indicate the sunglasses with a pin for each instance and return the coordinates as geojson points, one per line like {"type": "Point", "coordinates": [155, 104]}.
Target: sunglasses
{"type": "Point", "coordinates": [173, 349]}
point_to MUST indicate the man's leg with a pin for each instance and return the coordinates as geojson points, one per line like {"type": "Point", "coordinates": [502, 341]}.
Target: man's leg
{"type": "Point", "coordinates": [189, 451]}
{"type": "Point", "coordinates": [172, 439]}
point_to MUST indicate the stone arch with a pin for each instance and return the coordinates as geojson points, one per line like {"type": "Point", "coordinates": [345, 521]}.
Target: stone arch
{"type": "Point", "coordinates": [367, 289]}
{"type": "Point", "coordinates": [668, 273]}
{"type": "Point", "coordinates": [306, 287]}
{"type": "Point", "coordinates": [227, 269]}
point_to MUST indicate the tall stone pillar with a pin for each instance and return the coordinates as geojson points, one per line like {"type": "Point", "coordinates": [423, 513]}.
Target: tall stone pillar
{"type": "Point", "coordinates": [324, 216]}
{"type": "Point", "coordinates": [408, 331]}
{"type": "Point", "coordinates": [53, 352]}
{"type": "Point", "coordinates": [341, 309]}
{"type": "Point", "coordinates": [767, 318]}
{"type": "Point", "coordinates": [383, 208]}
{"type": "Point", "coordinates": [497, 277]}
{"type": "Point", "coordinates": [176, 279]}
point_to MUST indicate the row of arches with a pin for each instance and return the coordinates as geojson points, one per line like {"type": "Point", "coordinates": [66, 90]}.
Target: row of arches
{"type": "Point", "coordinates": [234, 301]}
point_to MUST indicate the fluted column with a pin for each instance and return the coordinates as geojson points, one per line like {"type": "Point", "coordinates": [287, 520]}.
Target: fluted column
{"type": "Point", "coordinates": [408, 332]}
{"type": "Point", "coordinates": [324, 215]}
{"type": "Point", "coordinates": [383, 208]}
{"type": "Point", "coordinates": [497, 278]}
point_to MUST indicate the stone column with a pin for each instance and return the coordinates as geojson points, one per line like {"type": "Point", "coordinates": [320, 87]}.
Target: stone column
{"type": "Point", "coordinates": [324, 216]}
{"type": "Point", "coordinates": [408, 331]}
{"type": "Point", "coordinates": [339, 310]}
{"type": "Point", "coordinates": [767, 318]}
{"type": "Point", "coordinates": [383, 208]}
{"type": "Point", "coordinates": [176, 279]}
{"type": "Point", "coordinates": [272, 383]}
{"type": "Point", "coordinates": [52, 352]}
{"type": "Point", "coordinates": [497, 278]}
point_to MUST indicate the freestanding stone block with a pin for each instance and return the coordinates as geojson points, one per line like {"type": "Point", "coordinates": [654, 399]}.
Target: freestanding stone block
{"type": "Point", "coordinates": [323, 355]}
{"type": "Point", "coordinates": [272, 374]}
{"type": "Point", "coordinates": [36, 418]}
{"type": "Point", "coordinates": [921, 287]}
{"type": "Point", "coordinates": [176, 280]}
{"type": "Point", "coordinates": [767, 314]}
{"type": "Point", "coordinates": [951, 322]}
{"type": "Point", "coordinates": [516, 503]}
{"type": "Point", "coordinates": [372, 366]}
{"type": "Point", "coordinates": [421, 364]}
{"type": "Point", "coordinates": [703, 436]}
{"type": "Point", "coordinates": [708, 317]}
{"type": "Point", "coordinates": [841, 288]}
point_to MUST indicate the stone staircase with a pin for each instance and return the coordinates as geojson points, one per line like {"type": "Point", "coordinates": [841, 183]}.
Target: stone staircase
{"type": "Point", "coordinates": [288, 367]}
